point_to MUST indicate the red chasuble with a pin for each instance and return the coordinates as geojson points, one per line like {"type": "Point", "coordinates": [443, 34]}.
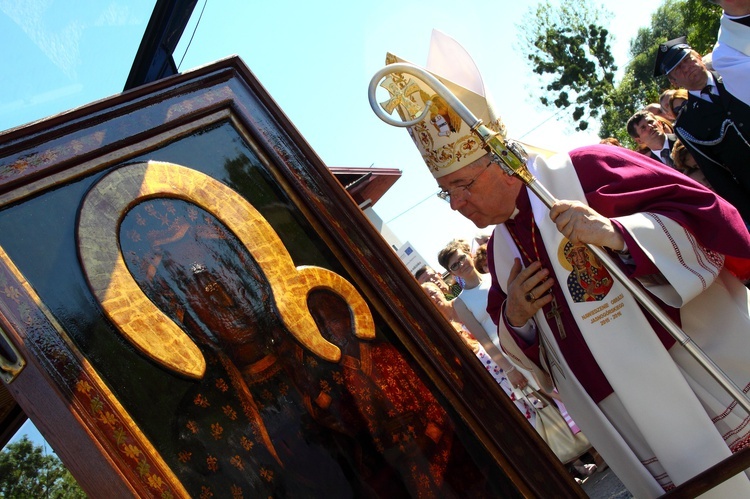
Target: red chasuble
{"type": "Point", "coordinates": [619, 182]}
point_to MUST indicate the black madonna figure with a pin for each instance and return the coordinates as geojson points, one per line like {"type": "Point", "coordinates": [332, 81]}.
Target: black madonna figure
{"type": "Point", "coordinates": [271, 416]}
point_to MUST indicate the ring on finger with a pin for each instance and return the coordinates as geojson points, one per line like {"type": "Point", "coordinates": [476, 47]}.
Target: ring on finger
{"type": "Point", "coordinates": [530, 297]}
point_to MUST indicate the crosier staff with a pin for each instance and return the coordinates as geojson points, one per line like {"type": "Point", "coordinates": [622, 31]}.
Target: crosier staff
{"type": "Point", "coordinates": [512, 158]}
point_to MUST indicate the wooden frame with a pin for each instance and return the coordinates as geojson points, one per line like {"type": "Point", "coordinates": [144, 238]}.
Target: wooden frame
{"type": "Point", "coordinates": [62, 391]}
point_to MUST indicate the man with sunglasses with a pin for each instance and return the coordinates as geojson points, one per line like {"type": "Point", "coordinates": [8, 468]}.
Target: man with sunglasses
{"type": "Point", "coordinates": [655, 416]}
{"type": "Point", "coordinates": [714, 125]}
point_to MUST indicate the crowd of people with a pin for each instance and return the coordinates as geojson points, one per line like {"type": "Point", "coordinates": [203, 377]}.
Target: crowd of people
{"type": "Point", "coordinates": [467, 313]}
{"type": "Point", "coordinates": [697, 127]}
{"type": "Point", "coordinates": [541, 311]}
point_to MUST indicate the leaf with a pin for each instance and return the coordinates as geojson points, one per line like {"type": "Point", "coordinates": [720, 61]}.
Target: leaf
{"type": "Point", "coordinates": [568, 46]}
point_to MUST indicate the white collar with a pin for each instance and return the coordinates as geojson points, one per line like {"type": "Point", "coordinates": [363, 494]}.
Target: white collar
{"type": "Point", "coordinates": [664, 146]}
{"type": "Point", "coordinates": [735, 17]}
{"type": "Point", "coordinates": [710, 81]}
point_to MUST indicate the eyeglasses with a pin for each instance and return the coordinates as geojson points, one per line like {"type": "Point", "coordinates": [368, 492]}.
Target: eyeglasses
{"type": "Point", "coordinates": [458, 263]}
{"type": "Point", "coordinates": [445, 194]}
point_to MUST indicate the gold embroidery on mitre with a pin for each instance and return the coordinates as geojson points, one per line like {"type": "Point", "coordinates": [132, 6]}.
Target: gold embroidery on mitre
{"type": "Point", "coordinates": [442, 138]}
{"type": "Point", "coordinates": [400, 91]}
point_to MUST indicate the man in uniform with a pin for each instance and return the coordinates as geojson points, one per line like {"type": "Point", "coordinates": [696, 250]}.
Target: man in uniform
{"type": "Point", "coordinates": [714, 125]}
{"type": "Point", "coordinates": [653, 413]}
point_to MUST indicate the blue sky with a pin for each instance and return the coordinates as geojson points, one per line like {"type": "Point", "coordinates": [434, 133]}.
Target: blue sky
{"type": "Point", "coordinates": [315, 59]}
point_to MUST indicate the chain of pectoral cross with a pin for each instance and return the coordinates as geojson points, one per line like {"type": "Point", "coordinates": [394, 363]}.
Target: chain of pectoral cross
{"type": "Point", "coordinates": [554, 311]}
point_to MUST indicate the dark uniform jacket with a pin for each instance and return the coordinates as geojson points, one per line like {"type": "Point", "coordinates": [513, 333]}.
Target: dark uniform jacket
{"type": "Point", "coordinates": [718, 136]}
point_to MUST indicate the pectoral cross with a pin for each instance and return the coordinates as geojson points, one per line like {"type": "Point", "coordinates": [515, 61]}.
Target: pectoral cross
{"type": "Point", "coordinates": [554, 313]}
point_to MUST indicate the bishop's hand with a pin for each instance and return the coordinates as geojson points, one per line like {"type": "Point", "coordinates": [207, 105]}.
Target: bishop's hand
{"type": "Point", "coordinates": [528, 291]}
{"type": "Point", "coordinates": [582, 225]}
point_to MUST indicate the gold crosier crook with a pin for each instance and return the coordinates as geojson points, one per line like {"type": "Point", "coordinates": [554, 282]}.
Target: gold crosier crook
{"type": "Point", "coordinates": [512, 158]}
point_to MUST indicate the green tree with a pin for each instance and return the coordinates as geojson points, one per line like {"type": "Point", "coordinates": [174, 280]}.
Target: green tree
{"type": "Point", "coordinates": [702, 24]}
{"type": "Point", "coordinates": [568, 47]}
{"type": "Point", "coordinates": [576, 67]}
{"type": "Point", "coordinates": [696, 19]}
{"type": "Point", "coordinates": [26, 471]}
{"type": "Point", "coordinates": [638, 85]}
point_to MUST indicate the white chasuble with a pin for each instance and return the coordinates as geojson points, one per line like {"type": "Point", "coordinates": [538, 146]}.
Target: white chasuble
{"type": "Point", "coordinates": [659, 408]}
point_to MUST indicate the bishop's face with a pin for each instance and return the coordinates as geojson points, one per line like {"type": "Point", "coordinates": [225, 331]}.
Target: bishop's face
{"type": "Point", "coordinates": [482, 192]}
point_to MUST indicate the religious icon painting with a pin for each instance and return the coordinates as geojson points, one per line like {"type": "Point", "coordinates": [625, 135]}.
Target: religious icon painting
{"type": "Point", "coordinates": [197, 308]}
{"type": "Point", "coordinates": [588, 279]}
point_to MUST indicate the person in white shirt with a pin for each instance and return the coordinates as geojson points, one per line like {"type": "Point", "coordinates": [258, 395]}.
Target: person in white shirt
{"type": "Point", "coordinates": [731, 55]}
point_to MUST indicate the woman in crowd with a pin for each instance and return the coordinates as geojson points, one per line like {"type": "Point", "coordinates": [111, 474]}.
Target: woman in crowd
{"type": "Point", "coordinates": [666, 109]}
{"type": "Point", "coordinates": [678, 99]}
